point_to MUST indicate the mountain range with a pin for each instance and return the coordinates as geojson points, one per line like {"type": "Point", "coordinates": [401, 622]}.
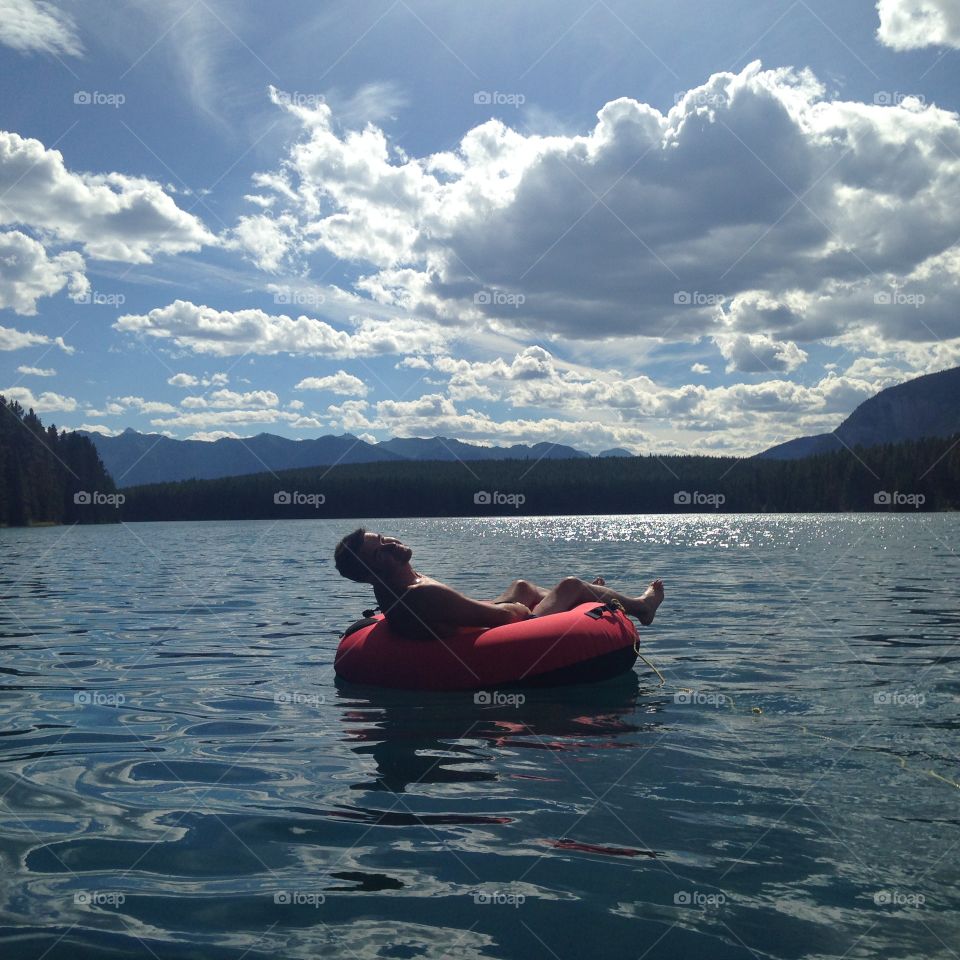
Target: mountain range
{"type": "Point", "coordinates": [134, 458]}
{"type": "Point", "coordinates": [928, 406]}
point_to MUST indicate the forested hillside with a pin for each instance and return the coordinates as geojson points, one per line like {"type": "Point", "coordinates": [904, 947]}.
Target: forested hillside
{"type": "Point", "coordinates": [916, 475]}
{"type": "Point", "coordinates": [50, 477]}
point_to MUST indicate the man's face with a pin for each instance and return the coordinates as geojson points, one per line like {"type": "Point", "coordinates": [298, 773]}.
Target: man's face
{"type": "Point", "coordinates": [383, 554]}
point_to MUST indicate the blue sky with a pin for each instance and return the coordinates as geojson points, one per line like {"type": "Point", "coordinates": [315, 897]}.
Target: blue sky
{"type": "Point", "coordinates": [684, 226]}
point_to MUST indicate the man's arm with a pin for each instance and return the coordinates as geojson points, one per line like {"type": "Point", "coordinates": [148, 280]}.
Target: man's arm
{"type": "Point", "coordinates": [437, 603]}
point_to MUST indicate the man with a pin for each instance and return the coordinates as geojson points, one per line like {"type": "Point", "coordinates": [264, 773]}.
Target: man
{"type": "Point", "coordinates": [420, 606]}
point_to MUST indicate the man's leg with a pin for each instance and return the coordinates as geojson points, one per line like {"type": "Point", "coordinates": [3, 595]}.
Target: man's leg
{"type": "Point", "coordinates": [572, 591]}
{"type": "Point", "coordinates": [522, 591]}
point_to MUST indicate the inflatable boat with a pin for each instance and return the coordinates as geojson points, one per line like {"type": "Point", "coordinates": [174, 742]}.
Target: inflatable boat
{"type": "Point", "coordinates": [591, 642]}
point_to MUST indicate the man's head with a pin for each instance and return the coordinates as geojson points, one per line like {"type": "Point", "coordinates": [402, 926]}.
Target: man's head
{"type": "Point", "coordinates": [366, 557]}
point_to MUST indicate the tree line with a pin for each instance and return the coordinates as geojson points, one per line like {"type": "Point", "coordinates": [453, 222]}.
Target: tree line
{"type": "Point", "coordinates": [50, 477]}
{"type": "Point", "coordinates": [919, 475]}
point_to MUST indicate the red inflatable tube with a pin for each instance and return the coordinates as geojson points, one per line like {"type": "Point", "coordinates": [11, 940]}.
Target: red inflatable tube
{"type": "Point", "coordinates": [590, 642]}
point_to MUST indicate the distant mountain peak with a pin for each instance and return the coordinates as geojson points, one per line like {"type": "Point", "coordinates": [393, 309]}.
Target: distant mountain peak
{"type": "Point", "coordinates": [926, 406]}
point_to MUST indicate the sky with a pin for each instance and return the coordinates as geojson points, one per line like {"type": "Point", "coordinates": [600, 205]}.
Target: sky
{"type": "Point", "coordinates": [700, 226]}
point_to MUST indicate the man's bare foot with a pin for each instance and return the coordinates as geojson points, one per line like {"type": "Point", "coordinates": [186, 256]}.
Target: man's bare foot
{"type": "Point", "coordinates": [645, 608]}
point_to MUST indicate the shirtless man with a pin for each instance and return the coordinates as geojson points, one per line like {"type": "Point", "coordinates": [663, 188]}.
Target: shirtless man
{"type": "Point", "coordinates": [416, 604]}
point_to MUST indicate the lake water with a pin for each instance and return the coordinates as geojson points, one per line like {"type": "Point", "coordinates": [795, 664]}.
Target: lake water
{"type": "Point", "coordinates": [181, 777]}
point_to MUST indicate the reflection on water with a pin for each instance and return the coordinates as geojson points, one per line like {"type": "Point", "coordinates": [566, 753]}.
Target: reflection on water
{"type": "Point", "coordinates": [182, 776]}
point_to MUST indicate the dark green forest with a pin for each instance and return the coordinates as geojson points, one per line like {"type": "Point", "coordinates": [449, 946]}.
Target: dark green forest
{"type": "Point", "coordinates": [915, 475]}
{"type": "Point", "coordinates": [50, 477]}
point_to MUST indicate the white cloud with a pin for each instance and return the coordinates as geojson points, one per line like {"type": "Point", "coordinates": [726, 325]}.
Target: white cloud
{"type": "Point", "coordinates": [11, 339]}
{"type": "Point", "coordinates": [27, 273]}
{"type": "Point", "coordinates": [266, 241]}
{"type": "Point", "coordinates": [211, 436]}
{"type": "Point", "coordinates": [218, 418]}
{"type": "Point", "coordinates": [413, 363]}
{"type": "Point", "coordinates": [46, 402]}
{"type": "Point", "coordinates": [231, 332]}
{"type": "Point", "coordinates": [98, 428]}
{"type": "Point", "coordinates": [306, 423]}
{"type": "Point", "coordinates": [754, 185]}
{"type": "Point", "coordinates": [189, 380]}
{"type": "Point", "coordinates": [699, 368]}
{"type": "Point", "coordinates": [223, 399]}
{"type": "Point", "coordinates": [759, 353]}
{"type": "Point", "coordinates": [37, 371]}
{"type": "Point", "coordinates": [370, 103]}
{"type": "Point", "coordinates": [35, 26]}
{"type": "Point", "coordinates": [911, 24]}
{"type": "Point", "coordinates": [341, 382]}
{"type": "Point", "coordinates": [112, 215]}
{"type": "Point", "coordinates": [142, 406]}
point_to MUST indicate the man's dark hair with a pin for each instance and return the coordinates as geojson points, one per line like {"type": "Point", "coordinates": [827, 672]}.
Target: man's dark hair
{"type": "Point", "coordinates": [346, 557]}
